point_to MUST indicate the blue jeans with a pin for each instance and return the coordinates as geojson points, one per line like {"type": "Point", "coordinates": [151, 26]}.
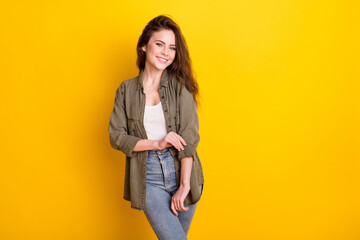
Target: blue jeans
{"type": "Point", "coordinates": [161, 186]}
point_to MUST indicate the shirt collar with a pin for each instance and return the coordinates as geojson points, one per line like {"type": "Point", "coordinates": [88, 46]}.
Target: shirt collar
{"type": "Point", "coordinates": [163, 81]}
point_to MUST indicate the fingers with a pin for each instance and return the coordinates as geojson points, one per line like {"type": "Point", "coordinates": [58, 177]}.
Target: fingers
{"type": "Point", "coordinates": [173, 208]}
{"type": "Point", "coordinates": [182, 207]}
{"type": "Point", "coordinates": [176, 140]}
{"type": "Point", "coordinates": [177, 200]}
{"type": "Point", "coordinates": [182, 140]}
{"type": "Point", "coordinates": [177, 204]}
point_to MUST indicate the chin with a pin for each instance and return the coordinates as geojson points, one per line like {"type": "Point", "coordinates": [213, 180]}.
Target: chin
{"type": "Point", "coordinates": [161, 67]}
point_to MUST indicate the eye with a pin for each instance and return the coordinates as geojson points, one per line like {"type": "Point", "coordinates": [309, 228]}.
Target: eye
{"type": "Point", "coordinates": [173, 49]}
{"type": "Point", "coordinates": [159, 44]}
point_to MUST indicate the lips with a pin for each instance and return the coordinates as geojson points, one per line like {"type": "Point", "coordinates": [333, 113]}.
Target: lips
{"type": "Point", "coordinates": [162, 60]}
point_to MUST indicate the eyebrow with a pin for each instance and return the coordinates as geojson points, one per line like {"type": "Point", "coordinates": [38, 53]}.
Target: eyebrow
{"type": "Point", "coordinates": [164, 43]}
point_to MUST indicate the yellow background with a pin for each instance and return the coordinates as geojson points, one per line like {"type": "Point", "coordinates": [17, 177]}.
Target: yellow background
{"type": "Point", "coordinates": [279, 117]}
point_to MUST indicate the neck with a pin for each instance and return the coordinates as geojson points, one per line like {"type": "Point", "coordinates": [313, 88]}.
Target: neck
{"type": "Point", "coordinates": [152, 76]}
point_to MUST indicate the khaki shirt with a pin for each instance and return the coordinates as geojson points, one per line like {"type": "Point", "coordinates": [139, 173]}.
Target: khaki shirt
{"type": "Point", "coordinates": [126, 128]}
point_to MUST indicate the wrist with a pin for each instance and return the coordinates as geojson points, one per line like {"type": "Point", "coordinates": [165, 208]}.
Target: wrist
{"type": "Point", "coordinates": [156, 145]}
{"type": "Point", "coordinates": [185, 184]}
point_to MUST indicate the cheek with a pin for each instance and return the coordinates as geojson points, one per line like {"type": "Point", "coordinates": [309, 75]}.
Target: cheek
{"type": "Point", "coordinates": [173, 55]}
{"type": "Point", "coordinates": [151, 50]}
{"type": "Point", "coordinates": [150, 54]}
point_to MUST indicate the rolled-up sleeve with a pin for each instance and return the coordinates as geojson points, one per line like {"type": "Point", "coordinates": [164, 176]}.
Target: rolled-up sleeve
{"type": "Point", "coordinates": [118, 127]}
{"type": "Point", "coordinates": [189, 124]}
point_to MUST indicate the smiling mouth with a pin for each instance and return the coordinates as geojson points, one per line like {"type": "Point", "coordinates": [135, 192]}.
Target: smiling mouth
{"type": "Point", "coordinates": [162, 60]}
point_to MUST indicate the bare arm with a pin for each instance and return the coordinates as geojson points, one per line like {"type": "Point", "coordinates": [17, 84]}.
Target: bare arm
{"type": "Point", "coordinates": [186, 165]}
{"type": "Point", "coordinates": [171, 139]}
{"type": "Point", "coordinates": [146, 144]}
{"type": "Point", "coordinates": [177, 201]}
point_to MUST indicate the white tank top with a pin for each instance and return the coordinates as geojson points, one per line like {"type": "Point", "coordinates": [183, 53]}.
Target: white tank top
{"type": "Point", "coordinates": [154, 122]}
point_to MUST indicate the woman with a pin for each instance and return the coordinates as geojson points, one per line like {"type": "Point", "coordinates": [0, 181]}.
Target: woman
{"type": "Point", "coordinates": [155, 123]}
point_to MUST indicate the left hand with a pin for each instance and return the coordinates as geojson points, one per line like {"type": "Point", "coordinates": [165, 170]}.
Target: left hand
{"type": "Point", "coordinates": [177, 201]}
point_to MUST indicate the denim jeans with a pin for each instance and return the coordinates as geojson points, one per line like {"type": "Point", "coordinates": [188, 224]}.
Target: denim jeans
{"type": "Point", "coordinates": [161, 186]}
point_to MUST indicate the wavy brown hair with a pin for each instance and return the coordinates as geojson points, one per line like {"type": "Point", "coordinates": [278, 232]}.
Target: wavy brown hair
{"type": "Point", "coordinates": [180, 68]}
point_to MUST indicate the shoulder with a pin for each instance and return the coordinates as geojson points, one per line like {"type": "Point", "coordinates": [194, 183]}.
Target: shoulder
{"type": "Point", "coordinates": [179, 88]}
{"type": "Point", "coordinates": [130, 83]}
{"type": "Point", "coordinates": [127, 88]}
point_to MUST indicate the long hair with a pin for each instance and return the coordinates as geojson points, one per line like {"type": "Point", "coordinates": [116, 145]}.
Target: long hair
{"type": "Point", "coordinates": [180, 68]}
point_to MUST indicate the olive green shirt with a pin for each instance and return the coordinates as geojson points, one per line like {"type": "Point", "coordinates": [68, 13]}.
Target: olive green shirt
{"type": "Point", "coordinates": [126, 128]}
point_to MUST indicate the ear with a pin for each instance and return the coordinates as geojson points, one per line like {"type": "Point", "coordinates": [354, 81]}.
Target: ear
{"type": "Point", "coordinates": [143, 48]}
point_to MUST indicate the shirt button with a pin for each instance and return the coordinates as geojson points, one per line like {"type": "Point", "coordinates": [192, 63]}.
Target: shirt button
{"type": "Point", "coordinates": [165, 110]}
{"type": "Point", "coordinates": [169, 126]}
{"type": "Point", "coordinates": [162, 96]}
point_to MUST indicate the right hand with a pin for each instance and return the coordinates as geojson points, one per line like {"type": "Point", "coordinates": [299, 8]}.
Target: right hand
{"type": "Point", "coordinates": [172, 139]}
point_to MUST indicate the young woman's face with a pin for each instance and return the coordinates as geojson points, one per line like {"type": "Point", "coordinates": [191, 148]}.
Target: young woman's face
{"type": "Point", "coordinates": [160, 50]}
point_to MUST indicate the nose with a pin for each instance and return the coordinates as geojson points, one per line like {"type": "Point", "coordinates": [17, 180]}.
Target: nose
{"type": "Point", "coordinates": [165, 51]}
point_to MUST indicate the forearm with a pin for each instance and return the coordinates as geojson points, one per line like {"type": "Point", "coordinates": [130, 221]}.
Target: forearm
{"type": "Point", "coordinates": [186, 165]}
{"type": "Point", "coordinates": [146, 144]}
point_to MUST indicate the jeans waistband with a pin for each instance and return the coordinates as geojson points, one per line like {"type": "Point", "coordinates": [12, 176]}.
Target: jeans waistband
{"type": "Point", "coordinates": [159, 152]}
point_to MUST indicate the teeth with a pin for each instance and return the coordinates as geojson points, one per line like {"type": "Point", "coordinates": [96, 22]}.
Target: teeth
{"type": "Point", "coordinates": [162, 60]}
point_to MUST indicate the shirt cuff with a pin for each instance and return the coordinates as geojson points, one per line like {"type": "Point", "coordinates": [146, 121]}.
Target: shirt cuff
{"type": "Point", "coordinates": [189, 151]}
{"type": "Point", "coordinates": [127, 144]}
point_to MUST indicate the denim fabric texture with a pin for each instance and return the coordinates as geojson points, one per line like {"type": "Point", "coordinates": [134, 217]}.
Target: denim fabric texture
{"type": "Point", "coordinates": [161, 186]}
